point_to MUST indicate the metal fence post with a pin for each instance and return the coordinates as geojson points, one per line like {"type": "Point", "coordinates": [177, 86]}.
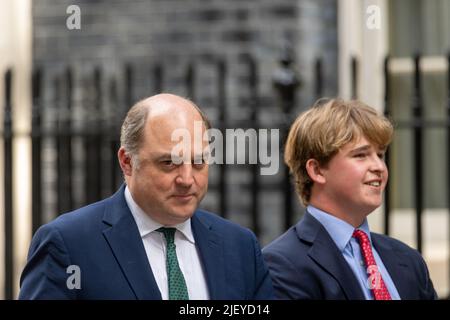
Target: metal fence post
{"type": "Point", "coordinates": [158, 78]}
{"type": "Point", "coordinates": [417, 105]}
{"type": "Point", "coordinates": [354, 77]}
{"type": "Point", "coordinates": [92, 141]}
{"type": "Point", "coordinates": [285, 82]}
{"type": "Point", "coordinates": [129, 93]}
{"type": "Point", "coordinates": [190, 81]}
{"type": "Point", "coordinates": [448, 153]}
{"type": "Point", "coordinates": [8, 166]}
{"type": "Point", "coordinates": [318, 83]}
{"type": "Point", "coordinates": [223, 117]}
{"type": "Point", "coordinates": [387, 203]}
{"type": "Point", "coordinates": [64, 147]}
{"type": "Point", "coordinates": [36, 150]}
{"type": "Point", "coordinates": [255, 182]}
{"type": "Point", "coordinates": [113, 136]}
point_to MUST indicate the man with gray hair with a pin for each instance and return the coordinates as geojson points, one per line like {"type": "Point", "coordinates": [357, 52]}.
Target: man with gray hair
{"type": "Point", "coordinates": [149, 240]}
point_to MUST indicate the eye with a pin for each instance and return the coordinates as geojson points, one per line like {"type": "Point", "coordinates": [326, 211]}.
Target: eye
{"type": "Point", "coordinates": [167, 164]}
{"type": "Point", "coordinates": [360, 155]}
{"type": "Point", "coordinates": [381, 155]}
{"type": "Point", "coordinates": [199, 162]}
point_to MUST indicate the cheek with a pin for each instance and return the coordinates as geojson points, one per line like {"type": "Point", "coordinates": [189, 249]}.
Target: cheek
{"type": "Point", "coordinates": [351, 179]}
{"type": "Point", "coordinates": [156, 180]}
{"type": "Point", "coordinates": [164, 182]}
{"type": "Point", "coordinates": [202, 179]}
{"type": "Point", "coordinates": [351, 173]}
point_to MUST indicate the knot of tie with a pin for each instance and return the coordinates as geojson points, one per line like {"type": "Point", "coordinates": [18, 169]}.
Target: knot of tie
{"type": "Point", "coordinates": [169, 234]}
{"type": "Point", "coordinates": [364, 242]}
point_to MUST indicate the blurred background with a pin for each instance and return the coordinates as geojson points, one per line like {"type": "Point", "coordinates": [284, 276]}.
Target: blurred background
{"type": "Point", "coordinates": [69, 71]}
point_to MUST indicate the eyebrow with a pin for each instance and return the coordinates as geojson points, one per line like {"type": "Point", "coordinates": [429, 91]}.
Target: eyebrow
{"type": "Point", "coordinates": [365, 148]}
{"type": "Point", "coordinates": [161, 156]}
{"type": "Point", "coordinates": [164, 156]}
{"type": "Point", "coordinates": [360, 149]}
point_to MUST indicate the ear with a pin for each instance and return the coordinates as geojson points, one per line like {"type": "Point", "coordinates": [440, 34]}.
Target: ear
{"type": "Point", "coordinates": [315, 171]}
{"type": "Point", "coordinates": [125, 162]}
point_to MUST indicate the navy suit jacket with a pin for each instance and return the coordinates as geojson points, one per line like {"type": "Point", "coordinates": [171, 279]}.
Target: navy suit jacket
{"type": "Point", "coordinates": [103, 240]}
{"type": "Point", "coordinates": [305, 263]}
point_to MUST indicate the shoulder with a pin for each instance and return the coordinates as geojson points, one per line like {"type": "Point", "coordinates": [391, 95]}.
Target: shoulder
{"type": "Point", "coordinates": [76, 224]}
{"type": "Point", "coordinates": [388, 242]}
{"type": "Point", "coordinates": [294, 274]}
{"type": "Point", "coordinates": [285, 243]}
{"type": "Point", "coordinates": [287, 251]}
{"type": "Point", "coordinates": [82, 215]}
{"type": "Point", "coordinates": [404, 252]}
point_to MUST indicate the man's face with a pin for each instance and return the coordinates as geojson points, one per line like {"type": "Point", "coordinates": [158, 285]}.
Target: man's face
{"type": "Point", "coordinates": [355, 178]}
{"type": "Point", "coordinates": [168, 192]}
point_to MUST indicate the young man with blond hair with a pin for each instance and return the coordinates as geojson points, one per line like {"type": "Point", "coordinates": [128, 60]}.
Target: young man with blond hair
{"type": "Point", "coordinates": [335, 151]}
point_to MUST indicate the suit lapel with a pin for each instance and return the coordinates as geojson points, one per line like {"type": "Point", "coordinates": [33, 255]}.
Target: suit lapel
{"type": "Point", "coordinates": [396, 266]}
{"type": "Point", "coordinates": [326, 254]}
{"type": "Point", "coordinates": [126, 244]}
{"type": "Point", "coordinates": [211, 254]}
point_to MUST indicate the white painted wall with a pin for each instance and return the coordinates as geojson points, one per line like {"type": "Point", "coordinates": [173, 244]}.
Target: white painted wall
{"type": "Point", "coordinates": [15, 52]}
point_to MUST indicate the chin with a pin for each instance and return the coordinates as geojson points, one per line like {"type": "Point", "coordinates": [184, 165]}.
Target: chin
{"type": "Point", "coordinates": [378, 203]}
{"type": "Point", "coordinates": [183, 214]}
{"type": "Point", "coordinates": [369, 208]}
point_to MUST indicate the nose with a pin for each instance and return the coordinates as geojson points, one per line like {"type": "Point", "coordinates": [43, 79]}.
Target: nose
{"type": "Point", "coordinates": [378, 164]}
{"type": "Point", "coordinates": [185, 177]}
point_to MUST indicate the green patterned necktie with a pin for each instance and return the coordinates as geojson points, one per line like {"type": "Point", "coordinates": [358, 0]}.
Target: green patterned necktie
{"type": "Point", "coordinates": [177, 285]}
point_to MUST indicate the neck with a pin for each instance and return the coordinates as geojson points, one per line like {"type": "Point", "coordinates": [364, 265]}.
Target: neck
{"type": "Point", "coordinates": [352, 218]}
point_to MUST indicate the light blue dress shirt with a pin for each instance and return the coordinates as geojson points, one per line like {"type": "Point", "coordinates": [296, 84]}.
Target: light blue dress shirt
{"type": "Point", "coordinates": [341, 232]}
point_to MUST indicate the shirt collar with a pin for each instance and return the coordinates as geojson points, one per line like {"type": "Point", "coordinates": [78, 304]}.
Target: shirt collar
{"type": "Point", "coordinates": [146, 224]}
{"type": "Point", "coordinates": [340, 231]}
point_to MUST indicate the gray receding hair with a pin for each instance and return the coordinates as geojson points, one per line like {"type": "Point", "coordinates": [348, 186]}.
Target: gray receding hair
{"type": "Point", "coordinates": [132, 130]}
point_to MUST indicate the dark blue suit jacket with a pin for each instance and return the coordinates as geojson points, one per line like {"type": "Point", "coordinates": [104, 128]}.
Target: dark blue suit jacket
{"type": "Point", "coordinates": [104, 241]}
{"type": "Point", "coordinates": [305, 263]}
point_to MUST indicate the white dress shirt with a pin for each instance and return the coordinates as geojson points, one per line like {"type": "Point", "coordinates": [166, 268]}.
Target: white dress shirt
{"type": "Point", "coordinates": [155, 248]}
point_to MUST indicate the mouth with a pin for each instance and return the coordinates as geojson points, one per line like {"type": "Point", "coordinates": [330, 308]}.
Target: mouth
{"type": "Point", "coordinates": [184, 196]}
{"type": "Point", "coordinates": [374, 183]}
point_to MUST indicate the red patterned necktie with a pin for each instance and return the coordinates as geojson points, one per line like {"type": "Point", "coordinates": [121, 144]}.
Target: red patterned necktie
{"type": "Point", "coordinates": [376, 283]}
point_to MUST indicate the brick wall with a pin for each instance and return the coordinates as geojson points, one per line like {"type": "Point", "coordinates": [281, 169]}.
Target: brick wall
{"type": "Point", "coordinates": [144, 31]}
